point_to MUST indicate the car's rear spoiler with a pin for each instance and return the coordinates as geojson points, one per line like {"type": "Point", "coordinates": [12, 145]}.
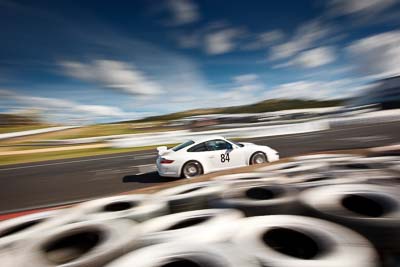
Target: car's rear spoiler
{"type": "Point", "coordinates": [162, 149]}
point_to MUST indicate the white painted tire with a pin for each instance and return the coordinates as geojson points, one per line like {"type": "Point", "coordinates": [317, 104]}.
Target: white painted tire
{"type": "Point", "coordinates": [258, 199]}
{"type": "Point", "coordinates": [383, 159]}
{"type": "Point", "coordinates": [7, 259]}
{"type": "Point", "coordinates": [135, 207]}
{"type": "Point", "coordinates": [372, 210]}
{"type": "Point", "coordinates": [250, 177]}
{"type": "Point", "coordinates": [393, 150]}
{"type": "Point", "coordinates": [191, 196]}
{"type": "Point", "coordinates": [19, 228]}
{"type": "Point", "coordinates": [239, 176]}
{"type": "Point", "coordinates": [291, 169]}
{"type": "Point", "coordinates": [205, 226]}
{"type": "Point", "coordinates": [326, 158]}
{"type": "Point", "coordinates": [297, 241]}
{"type": "Point", "coordinates": [82, 244]}
{"type": "Point", "coordinates": [306, 181]}
{"type": "Point", "coordinates": [359, 164]}
{"type": "Point", "coordinates": [188, 255]}
{"type": "Point", "coordinates": [385, 181]}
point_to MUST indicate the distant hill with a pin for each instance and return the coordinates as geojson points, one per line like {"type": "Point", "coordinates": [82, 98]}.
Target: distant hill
{"type": "Point", "coordinates": [263, 106]}
{"type": "Point", "coordinates": [16, 120]}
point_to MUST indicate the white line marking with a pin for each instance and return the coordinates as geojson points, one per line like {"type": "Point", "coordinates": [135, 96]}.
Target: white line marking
{"type": "Point", "coordinates": [145, 165]}
{"type": "Point", "coordinates": [366, 138]}
{"type": "Point", "coordinates": [67, 162]}
{"type": "Point", "coordinates": [147, 168]}
{"type": "Point", "coordinates": [145, 156]}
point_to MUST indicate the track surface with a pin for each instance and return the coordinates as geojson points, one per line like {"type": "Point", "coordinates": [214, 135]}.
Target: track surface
{"type": "Point", "coordinates": [35, 185]}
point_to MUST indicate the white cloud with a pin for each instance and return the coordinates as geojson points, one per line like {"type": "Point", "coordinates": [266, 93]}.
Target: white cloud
{"type": "Point", "coordinates": [312, 58]}
{"type": "Point", "coordinates": [346, 7]}
{"type": "Point", "coordinates": [214, 38]}
{"type": "Point", "coordinates": [247, 83]}
{"type": "Point", "coordinates": [54, 106]}
{"type": "Point", "coordinates": [221, 41]}
{"type": "Point", "coordinates": [316, 57]}
{"type": "Point", "coordinates": [245, 78]}
{"type": "Point", "coordinates": [265, 39]}
{"type": "Point", "coordinates": [271, 36]}
{"type": "Point", "coordinates": [378, 54]}
{"type": "Point", "coordinates": [305, 37]}
{"type": "Point", "coordinates": [113, 74]}
{"type": "Point", "coordinates": [314, 90]}
{"type": "Point", "coordinates": [189, 41]}
{"type": "Point", "coordinates": [183, 11]}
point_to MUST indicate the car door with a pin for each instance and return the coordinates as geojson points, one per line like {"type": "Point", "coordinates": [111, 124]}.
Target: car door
{"type": "Point", "coordinates": [224, 155]}
{"type": "Point", "coordinates": [201, 153]}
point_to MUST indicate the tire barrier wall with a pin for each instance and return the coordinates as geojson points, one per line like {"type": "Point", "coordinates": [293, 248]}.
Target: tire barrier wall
{"type": "Point", "coordinates": [316, 211]}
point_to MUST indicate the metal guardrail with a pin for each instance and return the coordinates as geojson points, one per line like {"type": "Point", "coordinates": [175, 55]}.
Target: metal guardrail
{"type": "Point", "coordinates": [246, 132]}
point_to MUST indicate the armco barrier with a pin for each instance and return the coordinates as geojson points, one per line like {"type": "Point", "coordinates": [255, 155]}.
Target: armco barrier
{"type": "Point", "coordinates": [246, 132]}
{"type": "Point", "coordinates": [382, 116]}
{"type": "Point", "coordinates": [252, 130]}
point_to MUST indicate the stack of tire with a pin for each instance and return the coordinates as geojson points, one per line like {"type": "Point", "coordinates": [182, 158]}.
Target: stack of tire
{"type": "Point", "coordinates": [322, 210]}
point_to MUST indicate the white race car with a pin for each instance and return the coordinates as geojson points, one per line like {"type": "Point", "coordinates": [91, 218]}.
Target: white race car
{"type": "Point", "coordinates": [209, 154]}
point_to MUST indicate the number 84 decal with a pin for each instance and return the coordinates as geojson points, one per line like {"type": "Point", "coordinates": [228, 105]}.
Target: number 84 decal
{"type": "Point", "coordinates": [225, 157]}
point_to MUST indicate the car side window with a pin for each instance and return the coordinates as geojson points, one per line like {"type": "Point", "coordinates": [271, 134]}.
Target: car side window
{"type": "Point", "coordinates": [198, 148]}
{"type": "Point", "coordinates": [218, 145]}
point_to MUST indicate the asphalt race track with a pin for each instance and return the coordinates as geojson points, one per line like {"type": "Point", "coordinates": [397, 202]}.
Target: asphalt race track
{"type": "Point", "coordinates": [36, 185]}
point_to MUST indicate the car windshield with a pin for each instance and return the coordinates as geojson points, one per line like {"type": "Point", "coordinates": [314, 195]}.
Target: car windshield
{"type": "Point", "coordinates": [183, 145]}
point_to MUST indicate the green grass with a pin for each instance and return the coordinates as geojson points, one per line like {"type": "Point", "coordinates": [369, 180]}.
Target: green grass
{"type": "Point", "coordinates": [103, 130]}
{"type": "Point", "coordinates": [15, 159]}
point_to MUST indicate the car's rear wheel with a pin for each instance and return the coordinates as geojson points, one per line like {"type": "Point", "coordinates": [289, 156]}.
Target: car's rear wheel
{"type": "Point", "coordinates": [192, 169]}
{"type": "Point", "coordinates": [258, 158]}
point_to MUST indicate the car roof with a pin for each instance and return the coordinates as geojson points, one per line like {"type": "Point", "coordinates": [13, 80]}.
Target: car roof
{"type": "Point", "coordinates": [200, 139]}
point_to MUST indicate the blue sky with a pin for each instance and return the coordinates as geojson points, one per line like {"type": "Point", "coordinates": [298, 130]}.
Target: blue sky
{"type": "Point", "coordinates": [101, 61]}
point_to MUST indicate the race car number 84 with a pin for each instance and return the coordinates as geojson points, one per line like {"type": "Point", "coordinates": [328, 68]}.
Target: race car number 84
{"type": "Point", "coordinates": [224, 157]}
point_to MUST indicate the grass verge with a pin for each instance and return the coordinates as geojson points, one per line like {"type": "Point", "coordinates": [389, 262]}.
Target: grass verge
{"type": "Point", "coordinates": [11, 129]}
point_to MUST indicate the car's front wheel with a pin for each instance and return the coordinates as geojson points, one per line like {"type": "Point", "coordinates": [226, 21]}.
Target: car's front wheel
{"type": "Point", "coordinates": [192, 169]}
{"type": "Point", "coordinates": [258, 158]}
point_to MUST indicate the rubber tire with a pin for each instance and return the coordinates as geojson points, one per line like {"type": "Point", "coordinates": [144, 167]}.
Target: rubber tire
{"type": "Point", "coordinates": [204, 226]}
{"type": "Point", "coordinates": [210, 255]}
{"type": "Point", "coordinates": [7, 258]}
{"type": "Point", "coordinates": [325, 158]}
{"type": "Point", "coordinates": [106, 242]}
{"type": "Point", "coordinates": [42, 224]}
{"type": "Point", "coordinates": [384, 151]}
{"type": "Point", "coordinates": [341, 204]}
{"type": "Point", "coordinates": [190, 196]}
{"type": "Point", "coordinates": [307, 181]}
{"type": "Point", "coordinates": [360, 164]}
{"type": "Point", "coordinates": [137, 207]}
{"type": "Point", "coordinates": [340, 246]}
{"type": "Point", "coordinates": [255, 154]}
{"type": "Point", "coordinates": [250, 200]}
{"type": "Point", "coordinates": [201, 170]}
{"type": "Point", "coordinates": [386, 181]}
{"type": "Point", "coordinates": [291, 169]}
{"type": "Point", "coordinates": [248, 177]}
